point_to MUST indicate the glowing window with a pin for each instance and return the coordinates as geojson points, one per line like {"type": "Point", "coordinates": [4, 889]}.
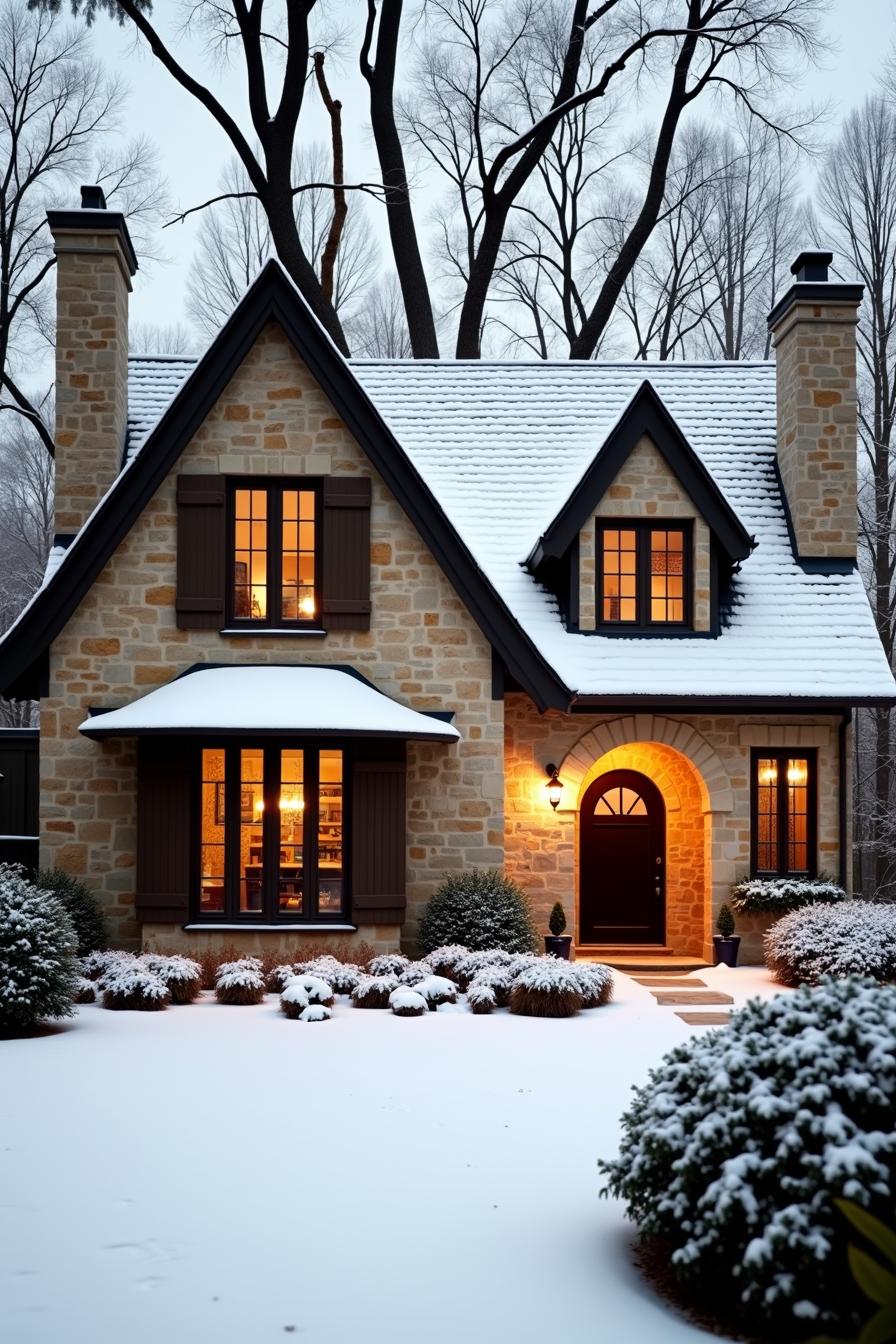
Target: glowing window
{"type": "Point", "coordinates": [644, 573]}
{"type": "Point", "coordinates": [784, 813]}
{"type": "Point", "coordinates": [275, 549]}
{"type": "Point", "coordinates": [621, 802]}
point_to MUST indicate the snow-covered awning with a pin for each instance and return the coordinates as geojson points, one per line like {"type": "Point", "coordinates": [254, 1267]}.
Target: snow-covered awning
{"type": "Point", "coordinates": [311, 701]}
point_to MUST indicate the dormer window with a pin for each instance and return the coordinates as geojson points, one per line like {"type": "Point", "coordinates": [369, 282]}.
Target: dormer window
{"type": "Point", "coordinates": [274, 548]}
{"type": "Point", "coordinates": [644, 574]}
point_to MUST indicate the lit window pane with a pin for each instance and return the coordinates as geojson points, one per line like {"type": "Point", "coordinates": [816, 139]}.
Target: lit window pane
{"type": "Point", "coordinates": [666, 575]}
{"type": "Point", "coordinates": [329, 842]}
{"type": "Point", "coordinates": [618, 601]}
{"type": "Point", "coordinates": [797, 815]}
{"type": "Point", "coordinates": [297, 596]}
{"type": "Point", "coordinates": [250, 598]}
{"type": "Point", "coordinates": [211, 882]}
{"type": "Point", "coordinates": [292, 830]}
{"type": "Point", "coordinates": [251, 830]}
{"type": "Point", "coordinates": [767, 814]}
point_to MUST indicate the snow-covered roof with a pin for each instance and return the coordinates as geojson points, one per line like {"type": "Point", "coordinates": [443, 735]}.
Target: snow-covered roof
{"type": "Point", "coordinates": [313, 700]}
{"type": "Point", "coordinates": [502, 445]}
{"type": "Point", "coordinates": [152, 382]}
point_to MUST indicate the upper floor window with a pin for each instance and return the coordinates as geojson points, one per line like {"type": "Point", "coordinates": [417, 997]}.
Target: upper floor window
{"type": "Point", "coordinates": [644, 574]}
{"type": "Point", "coordinates": [274, 549]}
{"type": "Point", "coordinates": [784, 820]}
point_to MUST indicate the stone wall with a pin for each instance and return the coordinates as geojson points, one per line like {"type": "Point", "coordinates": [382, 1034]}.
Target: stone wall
{"type": "Point", "coordinates": [645, 488]}
{"type": "Point", "coordinates": [422, 647]}
{"type": "Point", "coordinates": [711, 755]}
{"type": "Point", "coordinates": [815, 354]}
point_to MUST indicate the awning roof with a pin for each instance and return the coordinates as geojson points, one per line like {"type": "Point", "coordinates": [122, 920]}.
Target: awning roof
{"type": "Point", "coordinates": [267, 700]}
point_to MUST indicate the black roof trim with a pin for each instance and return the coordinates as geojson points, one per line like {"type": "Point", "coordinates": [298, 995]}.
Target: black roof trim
{"type": "Point", "coordinates": [814, 291]}
{"type": "Point", "coordinates": [96, 221]}
{"type": "Point", "coordinates": [810, 564]}
{"type": "Point", "coordinates": [645, 414]}
{"type": "Point", "coordinates": [273, 298]}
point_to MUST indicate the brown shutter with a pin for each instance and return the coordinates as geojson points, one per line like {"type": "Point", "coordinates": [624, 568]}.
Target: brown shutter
{"type": "Point", "coordinates": [378, 841]}
{"type": "Point", "coordinates": [201, 552]}
{"type": "Point", "coordinates": [346, 553]}
{"type": "Point", "coordinates": [164, 823]}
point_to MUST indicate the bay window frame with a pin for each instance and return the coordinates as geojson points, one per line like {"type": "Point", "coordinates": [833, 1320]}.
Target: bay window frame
{"type": "Point", "coordinates": [780, 755]}
{"type": "Point", "coordinates": [270, 913]}
{"type": "Point", "coordinates": [274, 488]}
{"type": "Point", "coordinates": [643, 528]}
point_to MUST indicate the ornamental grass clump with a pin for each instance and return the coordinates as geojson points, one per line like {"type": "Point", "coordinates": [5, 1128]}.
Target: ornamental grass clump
{"type": "Point", "coordinates": [406, 1002]}
{"type": "Point", "coordinates": [315, 1012]}
{"type": "Point", "coordinates": [293, 1000]}
{"type": "Point", "coordinates": [414, 972]}
{"type": "Point", "coordinates": [777, 895]}
{"type": "Point", "coordinates": [372, 991]}
{"type": "Point", "coordinates": [388, 963]}
{"type": "Point", "coordinates": [482, 909]}
{"type": "Point", "coordinates": [38, 961]}
{"type": "Point", "coordinates": [240, 983]}
{"type": "Point", "coordinates": [278, 977]}
{"type": "Point", "coordinates": [549, 988]}
{"type": "Point", "coordinates": [442, 960]}
{"type": "Point", "coordinates": [595, 983]}
{"type": "Point", "coordinates": [80, 904]}
{"type": "Point", "coordinates": [85, 990]}
{"type": "Point", "coordinates": [481, 998]}
{"type": "Point", "coordinates": [737, 1146]}
{"type": "Point", "coordinates": [314, 988]}
{"type": "Point", "coordinates": [499, 979]}
{"type": "Point", "coordinates": [851, 938]}
{"type": "Point", "coordinates": [182, 975]}
{"type": "Point", "coordinates": [137, 990]}
{"type": "Point", "coordinates": [436, 989]}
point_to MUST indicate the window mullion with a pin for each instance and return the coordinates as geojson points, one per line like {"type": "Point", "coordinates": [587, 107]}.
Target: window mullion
{"type": "Point", "coordinates": [643, 585]}
{"type": "Point", "coordinates": [231, 831]}
{"type": "Point", "coordinates": [311, 832]}
{"type": "Point", "coordinates": [270, 835]}
{"type": "Point", "coordinates": [275, 554]}
{"type": "Point", "coordinates": [783, 808]}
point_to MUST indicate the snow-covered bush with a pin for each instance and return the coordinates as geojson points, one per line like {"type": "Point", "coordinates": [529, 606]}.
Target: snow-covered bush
{"type": "Point", "coordinates": [182, 975]}
{"type": "Point", "coordinates": [482, 909]}
{"type": "Point", "coordinates": [595, 982]}
{"type": "Point", "coordinates": [38, 945]}
{"type": "Point", "coordinates": [294, 1000]}
{"type": "Point", "coordinates": [372, 991]}
{"type": "Point", "coordinates": [80, 904]}
{"type": "Point", "coordinates": [315, 1012]}
{"type": "Point", "coordinates": [852, 938]}
{"type": "Point", "coordinates": [499, 979]}
{"type": "Point", "coordinates": [414, 972]}
{"type": "Point", "coordinates": [342, 975]}
{"type": "Point", "coordinates": [777, 895]}
{"type": "Point", "coordinates": [315, 989]}
{"type": "Point", "coordinates": [116, 964]}
{"type": "Point", "coordinates": [85, 990]}
{"type": "Point", "coordinates": [278, 977]}
{"type": "Point", "coordinates": [443, 960]}
{"type": "Point", "coordinates": [548, 988]}
{"type": "Point", "coordinates": [240, 964]}
{"type": "Point", "coordinates": [406, 1002]}
{"type": "Point", "coordinates": [738, 1143]}
{"type": "Point", "coordinates": [93, 965]}
{"type": "Point", "coordinates": [136, 989]}
{"type": "Point", "coordinates": [388, 963]}
{"type": "Point", "coordinates": [240, 983]}
{"type": "Point", "coordinates": [481, 997]}
{"type": "Point", "coordinates": [467, 968]}
{"type": "Point", "coordinates": [436, 989]}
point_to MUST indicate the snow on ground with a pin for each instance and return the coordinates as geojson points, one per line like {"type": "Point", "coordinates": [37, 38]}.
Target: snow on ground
{"type": "Point", "coordinates": [222, 1174]}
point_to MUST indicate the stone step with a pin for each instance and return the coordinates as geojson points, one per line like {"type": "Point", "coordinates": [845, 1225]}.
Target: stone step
{"type": "Point", "coordinates": [625, 950]}
{"type": "Point", "coordinates": [669, 981]}
{"type": "Point", "coordinates": [646, 965]}
{"type": "Point", "coordinates": [673, 997]}
{"type": "Point", "coordinates": [705, 1019]}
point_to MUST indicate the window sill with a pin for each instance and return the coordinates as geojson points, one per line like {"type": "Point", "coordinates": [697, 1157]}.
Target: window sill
{"type": "Point", "coordinates": [266, 631]}
{"type": "Point", "coordinates": [270, 928]}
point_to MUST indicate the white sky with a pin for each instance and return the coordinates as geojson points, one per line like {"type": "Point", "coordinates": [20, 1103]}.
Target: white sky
{"type": "Point", "coordinates": [193, 149]}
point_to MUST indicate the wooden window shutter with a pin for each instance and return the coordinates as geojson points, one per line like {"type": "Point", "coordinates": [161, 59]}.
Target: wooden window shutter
{"type": "Point", "coordinates": [201, 552]}
{"type": "Point", "coordinates": [378, 841]}
{"type": "Point", "coordinates": [346, 553]}
{"type": "Point", "coordinates": [164, 830]}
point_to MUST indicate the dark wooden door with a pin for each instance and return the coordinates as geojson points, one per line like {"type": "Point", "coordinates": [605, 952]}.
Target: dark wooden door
{"type": "Point", "coordinates": [622, 861]}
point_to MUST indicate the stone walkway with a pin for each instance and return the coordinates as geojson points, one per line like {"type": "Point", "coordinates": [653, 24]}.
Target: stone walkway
{"type": "Point", "coordinates": [688, 992]}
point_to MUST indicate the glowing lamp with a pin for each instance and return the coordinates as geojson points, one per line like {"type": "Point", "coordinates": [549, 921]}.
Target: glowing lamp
{"type": "Point", "coordinates": [768, 773]}
{"type": "Point", "coordinates": [554, 787]}
{"type": "Point", "coordinates": [292, 803]}
{"type": "Point", "coordinates": [797, 772]}
{"type": "Point", "coordinates": [306, 606]}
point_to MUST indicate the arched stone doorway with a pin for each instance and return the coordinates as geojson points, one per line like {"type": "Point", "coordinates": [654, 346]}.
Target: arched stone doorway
{"type": "Point", "coordinates": [622, 849]}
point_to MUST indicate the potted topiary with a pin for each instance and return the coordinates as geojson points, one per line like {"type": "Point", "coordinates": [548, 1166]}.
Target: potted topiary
{"type": "Point", "coordinates": [556, 943]}
{"type": "Point", "coordinates": [725, 944]}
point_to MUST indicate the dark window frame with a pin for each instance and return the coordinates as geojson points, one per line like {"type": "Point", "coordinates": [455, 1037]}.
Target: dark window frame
{"type": "Point", "coordinates": [274, 487]}
{"type": "Point", "coordinates": [643, 527]}
{"type": "Point", "coordinates": [270, 913]}
{"type": "Point", "coordinates": [780, 756]}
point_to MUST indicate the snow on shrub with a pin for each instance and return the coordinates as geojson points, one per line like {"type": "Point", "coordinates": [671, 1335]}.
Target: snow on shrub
{"type": "Point", "coordinates": [548, 988]}
{"type": "Point", "coordinates": [85, 990]}
{"type": "Point", "coordinates": [595, 982]}
{"type": "Point", "coordinates": [481, 997]}
{"type": "Point", "coordinates": [499, 979]}
{"type": "Point", "coordinates": [38, 965]}
{"type": "Point", "coordinates": [342, 975]}
{"type": "Point", "coordinates": [278, 977]}
{"type": "Point", "coordinates": [467, 968]}
{"type": "Point", "coordinates": [436, 989]}
{"type": "Point", "coordinates": [115, 965]}
{"type": "Point", "coordinates": [315, 989]}
{"type": "Point", "coordinates": [738, 1143]}
{"type": "Point", "coordinates": [415, 972]}
{"type": "Point", "coordinates": [852, 938]}
{"type": "Point", "coordinates": [93, 965]}
{"type": "Point", "coordinates": [372, 991]}
{"type": "Point", "coordinates": [388, 963]}
{"type": "Point", "coordinates": [182, 975]}
{"type": "Point", "coordinates": [406, 1002]}
{"type": "Point", "coordinates": [482, 909]}
{"type": "Point", "coordinates": [135, 989]}
{"type": "Point", "coordinates": [294, 1000]}
{"type": "Point", "coordinates": [240, 964]}
{"type": "Point", "coordinates": [761, 895]}
{"type": "Point", "coordinates": [443, 960]}
{"type": "Point", "coordinates": [80, 904]}
{"type": "Point", "coordinates": [315, 1012]}
{"type": "Point", "coordinates": [240, 983]}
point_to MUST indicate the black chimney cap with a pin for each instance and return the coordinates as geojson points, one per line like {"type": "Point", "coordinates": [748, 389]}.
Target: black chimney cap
{"type": "Point", "coordinates": [812, 267]}
{"type": "Point", "coordinates": [93, 198]}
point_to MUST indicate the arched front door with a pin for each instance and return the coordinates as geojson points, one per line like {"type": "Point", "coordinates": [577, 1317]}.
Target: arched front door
{"type": "Point", "coordinates": [622, 861]}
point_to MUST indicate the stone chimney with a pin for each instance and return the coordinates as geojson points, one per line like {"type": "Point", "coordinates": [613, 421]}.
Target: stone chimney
{"type": "Point", "coordinates": [95, 261]}
{"type": "Point", "coordinates": [814, 334]}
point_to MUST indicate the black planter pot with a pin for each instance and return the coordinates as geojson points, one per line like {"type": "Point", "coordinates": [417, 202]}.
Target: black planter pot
{"type": "Point", "coordinates": [558, 945]}
{"type": "Point", "coordinates": [725, 950]}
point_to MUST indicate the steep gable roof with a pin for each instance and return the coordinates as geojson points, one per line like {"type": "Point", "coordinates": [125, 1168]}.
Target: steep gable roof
{"type": "Point", "coordinates": [644, 415]}
{"type": "Point", "coordinates": [271, 298]}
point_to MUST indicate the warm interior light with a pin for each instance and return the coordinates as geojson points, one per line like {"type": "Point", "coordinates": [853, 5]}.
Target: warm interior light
{"type": "Point", "coordinates": [554, 787]}
{"type": "Point", "coordinates": [797, 772]}
{"type": "Point", "coordinates": [259, 806]}
{"type": "Point", "coordinates": [768, 773]}
{"type": "Point", "coordinates": [292, 803]}
{"type": "Point", "coordinates": [306, 606]}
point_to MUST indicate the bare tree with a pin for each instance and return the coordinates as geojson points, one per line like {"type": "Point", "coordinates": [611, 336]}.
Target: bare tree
{"type": "Point", "coordinates": [235, 242]}
{"type": "Point", "coordinates": [378, 327]}
{"type": "Point", "coordinates": [26, 533]}
{"type": "Point", "coordinates": [857, 213]}
{"type": "Point", "coordinates": [59, 119]}
{"type": "Point", "coordinates": [151, 338]}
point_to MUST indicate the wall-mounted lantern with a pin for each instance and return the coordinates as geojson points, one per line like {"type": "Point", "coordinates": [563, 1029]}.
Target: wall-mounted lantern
{"type": "Point", "coordinates": [554, 786]}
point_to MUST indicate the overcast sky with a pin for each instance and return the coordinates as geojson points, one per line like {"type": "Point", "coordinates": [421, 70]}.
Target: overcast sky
{"type": "Point", "coordinates": [193, 150]}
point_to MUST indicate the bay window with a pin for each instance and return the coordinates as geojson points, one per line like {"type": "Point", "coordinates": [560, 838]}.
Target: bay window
{"type": "Point", "coordinates": [784, 813]}
{"type": "Point", "coordinates": [271, 833]}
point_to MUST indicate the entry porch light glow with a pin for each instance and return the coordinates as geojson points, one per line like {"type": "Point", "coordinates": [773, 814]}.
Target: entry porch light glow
{"type": "Point", "coordinates": [554, 786]}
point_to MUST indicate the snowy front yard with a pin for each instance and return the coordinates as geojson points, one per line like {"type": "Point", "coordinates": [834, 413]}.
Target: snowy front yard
{"type": "Point", "coordinates": [222, 1174]}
